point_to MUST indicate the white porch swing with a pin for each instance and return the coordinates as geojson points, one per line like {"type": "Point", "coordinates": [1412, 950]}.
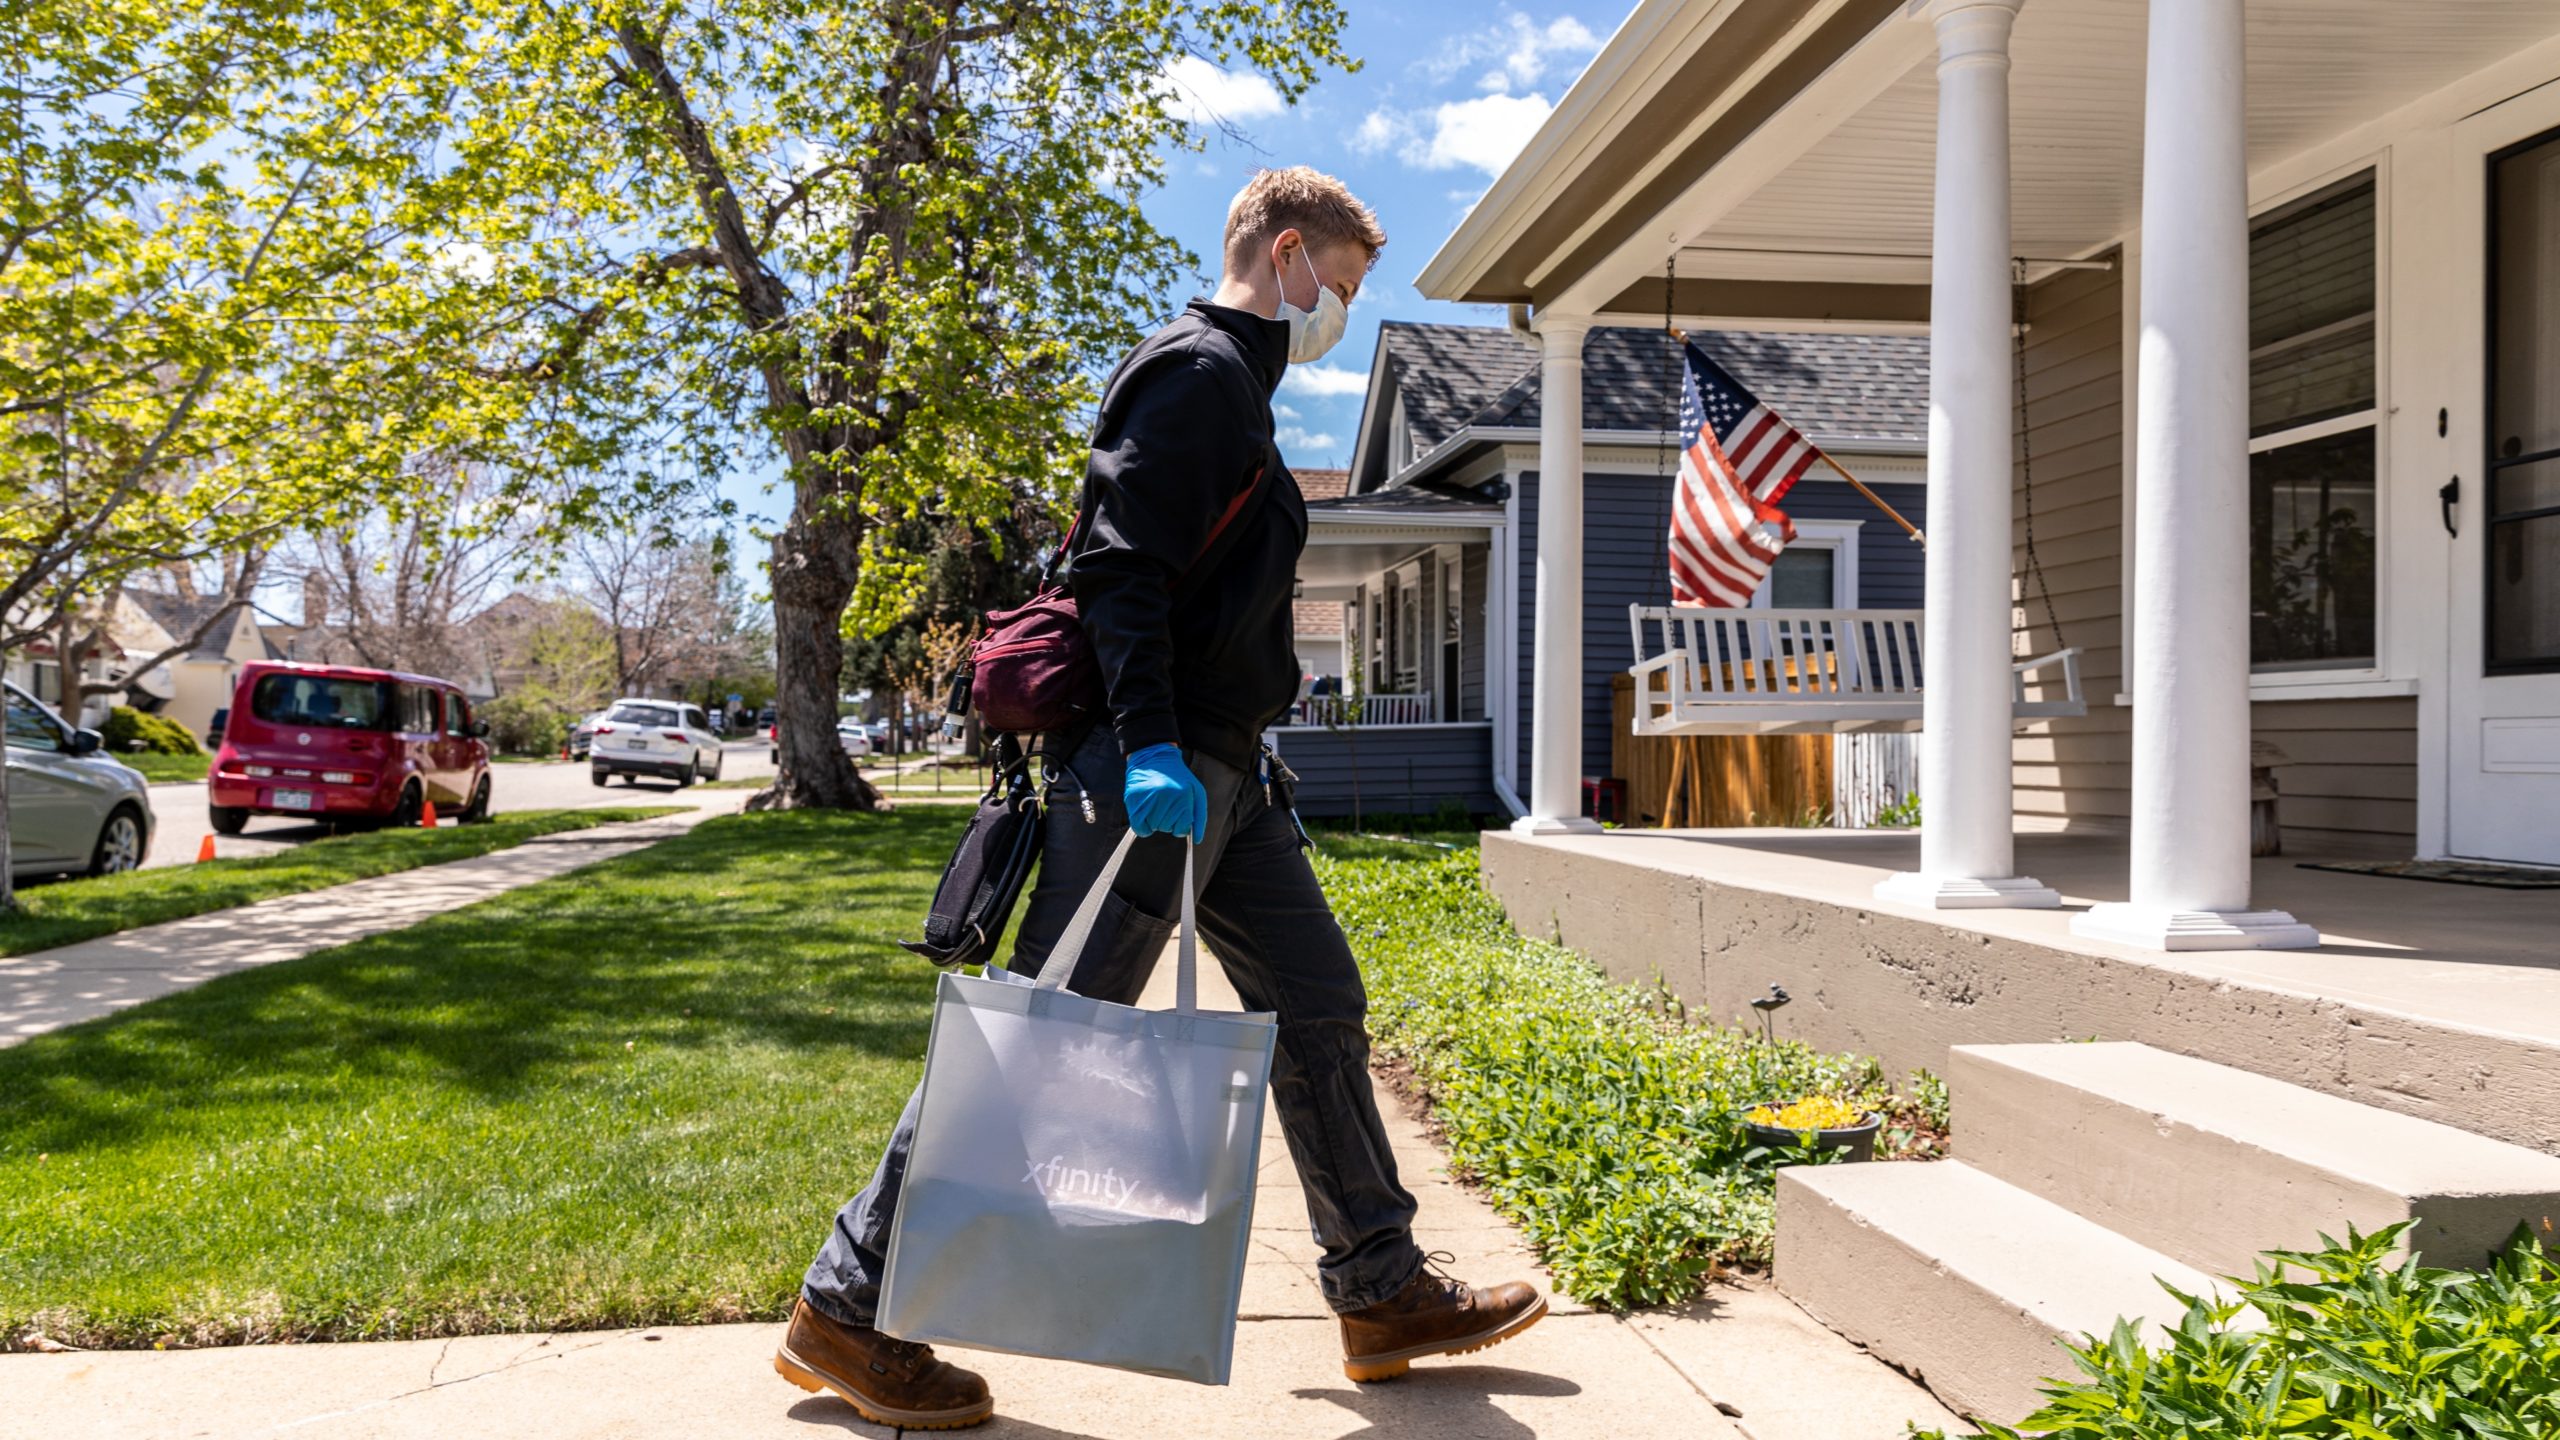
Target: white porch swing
{"type": "Point", "coordinates": [1706, 671]}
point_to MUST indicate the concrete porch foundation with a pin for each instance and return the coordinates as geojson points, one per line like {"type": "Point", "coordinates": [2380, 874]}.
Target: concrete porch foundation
{"type": "Point", "coordinates": [2439, 1001]}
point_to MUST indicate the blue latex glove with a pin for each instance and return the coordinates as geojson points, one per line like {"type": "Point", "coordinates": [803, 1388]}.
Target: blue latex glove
{"type": "Point", "coordinates": [1163, 796]}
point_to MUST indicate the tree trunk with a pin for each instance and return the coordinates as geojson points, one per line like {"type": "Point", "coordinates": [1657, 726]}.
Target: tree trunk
{"type": "Point", "coordinates": [809, 596]}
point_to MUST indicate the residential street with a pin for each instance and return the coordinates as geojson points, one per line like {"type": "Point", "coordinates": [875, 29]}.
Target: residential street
{"type": "Point", "coordinates": [545, 785]}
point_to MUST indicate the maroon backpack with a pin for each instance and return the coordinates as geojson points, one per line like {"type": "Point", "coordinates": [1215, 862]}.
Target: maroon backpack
{"type": "Point", "coordinates": [1034, 670]}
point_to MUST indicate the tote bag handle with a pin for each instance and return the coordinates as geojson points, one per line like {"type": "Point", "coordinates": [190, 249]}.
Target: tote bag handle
{"type": "Point", "coordinates": [1060, 970]}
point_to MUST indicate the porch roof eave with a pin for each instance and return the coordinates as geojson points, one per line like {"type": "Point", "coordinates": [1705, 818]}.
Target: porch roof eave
{"type": "Point", "coordinates": [1686, 111]}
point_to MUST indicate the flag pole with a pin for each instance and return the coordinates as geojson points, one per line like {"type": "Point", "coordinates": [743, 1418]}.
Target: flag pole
{"type": "Point", "coordinates": [1854, 482]}
{"type": "Point", "coordinates": [1873, 498]}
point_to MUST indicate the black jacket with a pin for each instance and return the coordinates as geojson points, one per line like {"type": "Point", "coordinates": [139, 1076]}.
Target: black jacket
{"type": "Point", "coordinates": [1196, 649]}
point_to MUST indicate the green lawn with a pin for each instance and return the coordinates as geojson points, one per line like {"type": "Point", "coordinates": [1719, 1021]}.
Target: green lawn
{"type": "Point", "coordinates": [163, 769]}
{"type": "Point", "coordinates": [633, 1095]}
{"type": "Point", "coordinates": [75, 910]}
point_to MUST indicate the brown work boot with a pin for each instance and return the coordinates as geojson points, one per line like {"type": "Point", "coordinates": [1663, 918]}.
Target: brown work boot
{"type": "Point", "coordinates": [1434, 1315]}
{"type": "Point", "coordinates": [887, 1381]}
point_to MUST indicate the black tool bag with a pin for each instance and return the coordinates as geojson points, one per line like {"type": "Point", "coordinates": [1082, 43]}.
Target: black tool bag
{"type": "Point", "coordinates": [988, 870]}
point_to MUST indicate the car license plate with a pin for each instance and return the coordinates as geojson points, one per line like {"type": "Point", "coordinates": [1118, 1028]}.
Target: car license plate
{"type": "Point", "coordinates": [635, 744]}
{"type": "Point", "coordinates": [294, 799]}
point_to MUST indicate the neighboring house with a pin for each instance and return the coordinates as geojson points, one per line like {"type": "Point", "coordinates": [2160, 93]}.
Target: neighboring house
{"type": "Point", "coordinates": [201, 679]}
{"type": "Point", "coordinates": [1431, 552]}
{"type": "Point", "coordinates": [496, 643]}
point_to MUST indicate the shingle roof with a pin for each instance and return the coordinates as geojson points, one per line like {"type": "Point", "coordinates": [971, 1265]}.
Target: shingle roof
{"type": "Point", "coordinates": [1446, 373]}
{"type": "Point", "coordinates": [1416, 499]}
{"type": "Point", "coordinates": [181, 614]}
{"type": "Point", "coordinates": [1322, 484]}
{"type": "Point", "coordinates": [1316, 617]}
{"type": "Point", "coordinates": [1841, 389]}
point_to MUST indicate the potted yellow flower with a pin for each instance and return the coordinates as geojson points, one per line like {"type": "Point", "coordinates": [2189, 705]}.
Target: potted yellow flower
{"type": "Point", "coordinates": [1833, 1124]}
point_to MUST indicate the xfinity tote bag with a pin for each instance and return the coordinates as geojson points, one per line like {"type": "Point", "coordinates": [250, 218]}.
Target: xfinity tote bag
{"type": "Point", "coordinates": [1081, 1186]}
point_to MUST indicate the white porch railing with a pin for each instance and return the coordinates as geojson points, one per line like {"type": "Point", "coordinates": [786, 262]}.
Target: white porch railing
{"type": "Point", "coordinates": [1798, 672]}
{"type": "Point", "coordinates": [1331, 710]}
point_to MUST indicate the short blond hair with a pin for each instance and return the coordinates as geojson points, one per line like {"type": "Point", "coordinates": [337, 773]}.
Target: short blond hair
{"type": "Point", "coordinates": [1302, 198]}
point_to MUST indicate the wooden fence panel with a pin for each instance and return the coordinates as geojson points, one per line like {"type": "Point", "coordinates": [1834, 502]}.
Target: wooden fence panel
{"type": "Point", "coordinates": [1716, 780]}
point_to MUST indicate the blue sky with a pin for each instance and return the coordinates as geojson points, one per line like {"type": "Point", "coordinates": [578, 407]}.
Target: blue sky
{"type": "Point", "coordinates": [1448, 93]}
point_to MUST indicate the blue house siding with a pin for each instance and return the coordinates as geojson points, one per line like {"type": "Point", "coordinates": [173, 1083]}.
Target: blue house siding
{"type": "Point", "coordinates": [1403, 769]}
{"type": "Point", "coordinates": [1625, 520]}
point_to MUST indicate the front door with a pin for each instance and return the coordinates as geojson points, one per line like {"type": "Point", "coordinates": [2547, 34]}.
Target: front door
{"type": "Point", "coordinates": [2504, 696]}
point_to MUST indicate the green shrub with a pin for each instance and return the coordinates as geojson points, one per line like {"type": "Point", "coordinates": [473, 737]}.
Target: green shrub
{"type": "Point", "coordinates": [129, 730]}
{"type": "Point", "coordinates": [2359, 1346]}
{"type": "Point", "coordinates": [521, 726]}
{"type": "Point", "coordinates": [1599, 1119]}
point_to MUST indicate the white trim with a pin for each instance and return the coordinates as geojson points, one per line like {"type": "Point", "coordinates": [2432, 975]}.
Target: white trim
{"type": "Point", "coordinates": [1840, 537]}
{"type": "Point", "coordinates": [2282, 685]}
{"type": "Point", "coordinates": [2320, 430]}
{"type": "Point", "coordinates": [1649, 441]}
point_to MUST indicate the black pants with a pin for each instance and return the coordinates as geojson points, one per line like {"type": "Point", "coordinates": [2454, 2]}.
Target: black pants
{"type": "Point", "coordinates": [1263, 915]}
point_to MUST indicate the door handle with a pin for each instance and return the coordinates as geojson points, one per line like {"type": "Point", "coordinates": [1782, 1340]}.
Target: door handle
{"type": "Point", "coordinates": [2449, 495]}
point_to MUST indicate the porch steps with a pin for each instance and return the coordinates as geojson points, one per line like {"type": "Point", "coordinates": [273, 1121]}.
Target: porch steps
{"type": "Point", "coordinates": [2211, 1165]}
{"type": "Point", "coordinates": [2088, 1170]}
{"type": "Point", "coordinates": [1961, 1279]}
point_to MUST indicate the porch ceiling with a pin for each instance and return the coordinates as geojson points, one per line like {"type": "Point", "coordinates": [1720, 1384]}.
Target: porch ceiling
{"type": "Point", "coordinates": [2316, 69]}
{"type": "Point", "coordinates": [1804, 186]}
{"type": "Point", "coordinates": [1340, 556]}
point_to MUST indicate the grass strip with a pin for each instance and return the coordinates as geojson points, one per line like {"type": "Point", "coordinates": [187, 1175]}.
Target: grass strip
{"type": "Point", "coordinates": [167, 769]}
{"type": "Point", "coordinates": [633, 1095]}
{"type": "Point", "coordinates": [1597, 1116]}
{"type": "Point", "coordinates": [70, 911]}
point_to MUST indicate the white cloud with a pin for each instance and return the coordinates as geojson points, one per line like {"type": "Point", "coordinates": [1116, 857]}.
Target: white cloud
{"type": "Point", "coordinates": [1298, 437]}
{"type": "Point", "coordinates": [1203, 94]}
{"type": "Point", "coordinates": [1324, 381]}
{"type": "Point", "coordinates": [1287, 412]}
{"type": "Point", "coordinates": [1482, 134]}
{"type": "Point", "coordinates": [1378, 130]}
{"type": "Point", "coordinates": [1520, 49]}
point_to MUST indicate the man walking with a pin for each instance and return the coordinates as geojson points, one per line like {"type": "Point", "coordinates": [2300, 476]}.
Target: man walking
{"type": "Point", "coordinates": [1183, 569]}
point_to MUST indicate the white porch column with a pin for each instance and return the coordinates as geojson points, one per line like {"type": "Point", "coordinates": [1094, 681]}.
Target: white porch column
{"type": "Point", "coordinates": [1555, 725]}
{"type": "Point", "coordinates": [2190, 671]}
{"type": "Point", "coordinates": [1966, 854]}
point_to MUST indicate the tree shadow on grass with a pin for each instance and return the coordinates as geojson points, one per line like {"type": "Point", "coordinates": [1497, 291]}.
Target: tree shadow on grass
{"type": "Point", "coordinates": [773, 930]}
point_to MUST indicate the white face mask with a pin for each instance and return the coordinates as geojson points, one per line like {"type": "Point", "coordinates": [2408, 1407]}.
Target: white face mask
{"type": "Point", "coordinates": [1311, 335]}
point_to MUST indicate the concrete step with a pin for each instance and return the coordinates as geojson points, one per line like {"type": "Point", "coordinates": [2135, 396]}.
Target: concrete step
{"type": "Point", "coordinates": [2211, 1165]}
{"type": "Point", "coordinates": [1962, 1279]}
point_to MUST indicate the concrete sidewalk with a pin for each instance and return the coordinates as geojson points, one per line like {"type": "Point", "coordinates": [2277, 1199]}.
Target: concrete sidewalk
{"type": "Point", "coordinates": [1743, 1364]}
{"type": "Point", "coordinates": [49, 989]}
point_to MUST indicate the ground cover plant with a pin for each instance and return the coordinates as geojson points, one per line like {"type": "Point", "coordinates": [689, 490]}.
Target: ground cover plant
{"type": "Point", "coordinates": [2356, 1344]}
{"type": "Point", "coordinates": [1599, 1117]}
{"type": "Point", "coordinates": [70, 911]}
{"type": "Point", "coordinates": [633, 1095]}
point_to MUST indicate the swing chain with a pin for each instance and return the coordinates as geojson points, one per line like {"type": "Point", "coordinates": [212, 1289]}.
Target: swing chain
{"type": "Point", "coordinates": [2026, 456]}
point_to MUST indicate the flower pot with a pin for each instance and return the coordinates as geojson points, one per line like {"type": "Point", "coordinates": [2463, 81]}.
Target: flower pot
{"type": "Point", "coordinates": [1855, 1142]}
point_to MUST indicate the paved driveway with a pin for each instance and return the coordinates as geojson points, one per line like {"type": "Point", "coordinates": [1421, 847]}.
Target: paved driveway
{"type": "Point", "coordinates": [544, 785]}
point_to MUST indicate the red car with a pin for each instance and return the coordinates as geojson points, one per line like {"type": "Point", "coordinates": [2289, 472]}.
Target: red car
{"type": "Point", "coordinates": [348, 746]}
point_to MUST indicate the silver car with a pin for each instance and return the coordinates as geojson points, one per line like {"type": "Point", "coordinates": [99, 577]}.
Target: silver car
{"type": "Point", "coordinates": [72, 808]}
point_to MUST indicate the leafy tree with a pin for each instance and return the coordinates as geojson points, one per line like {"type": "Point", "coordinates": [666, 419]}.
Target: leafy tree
{"type": "Point", "coordinates": [891, 237]}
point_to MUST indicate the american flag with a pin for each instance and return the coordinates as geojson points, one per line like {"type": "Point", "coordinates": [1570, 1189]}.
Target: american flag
{"type": "Point", "coordinates": [1726, 528]}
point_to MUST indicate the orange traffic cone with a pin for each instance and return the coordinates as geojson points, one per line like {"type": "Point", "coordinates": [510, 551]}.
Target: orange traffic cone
{"type": "Point", "coordinates": [204, 851]}
{"type": "Point", "coordinates": [427, 815]}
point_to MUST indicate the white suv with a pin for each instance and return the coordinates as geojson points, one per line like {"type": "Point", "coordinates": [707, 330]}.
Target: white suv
{"type": "Point", "coordinates": [665, 738]}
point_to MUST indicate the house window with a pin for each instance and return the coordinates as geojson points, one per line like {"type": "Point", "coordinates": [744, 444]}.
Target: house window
{"type": "Point", "coordinates": [2312, 494]}
{"type": "Point", "coordinates": [2524, 412]}
{"type": "Point", "coordinates": [1804, 578]}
